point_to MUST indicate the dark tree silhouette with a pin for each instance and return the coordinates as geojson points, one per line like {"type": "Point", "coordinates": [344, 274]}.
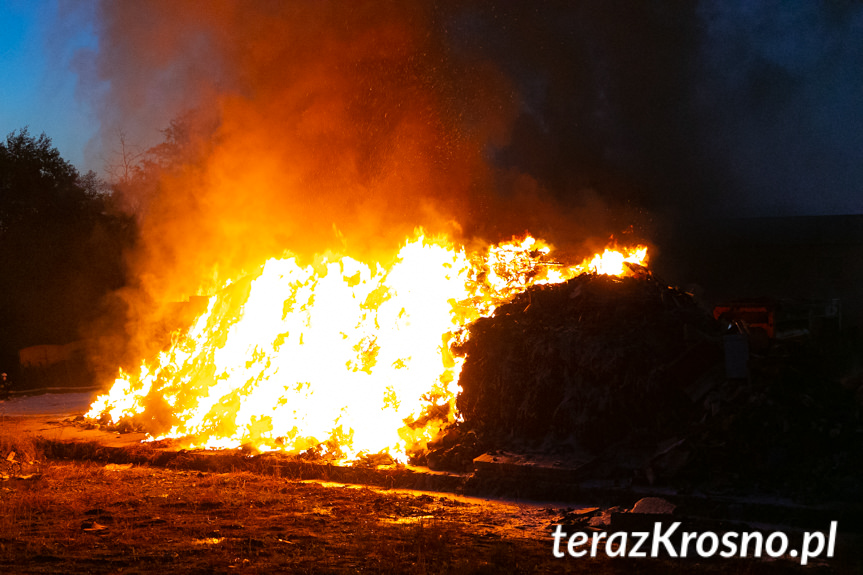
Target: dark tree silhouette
{"type": "Point", "coordinates": [61, 245]}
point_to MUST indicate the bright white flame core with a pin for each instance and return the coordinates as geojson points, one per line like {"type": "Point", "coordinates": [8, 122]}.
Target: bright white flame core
{"type": "Point", "coordinates": [341, 355]}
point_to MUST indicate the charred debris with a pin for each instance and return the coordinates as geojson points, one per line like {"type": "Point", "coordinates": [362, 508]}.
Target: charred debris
{"type": "Point", "coordinates": [631, 381]}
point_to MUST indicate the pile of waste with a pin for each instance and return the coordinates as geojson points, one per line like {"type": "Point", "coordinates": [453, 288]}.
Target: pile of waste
{"type": "Point", "coordinates": [595, 359]}
{"type": "Point", "coordinates": [628, 375]}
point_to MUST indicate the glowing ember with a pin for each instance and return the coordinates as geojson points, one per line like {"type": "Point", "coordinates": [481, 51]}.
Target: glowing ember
{"type": "Point", "coordinates": [337, 357]}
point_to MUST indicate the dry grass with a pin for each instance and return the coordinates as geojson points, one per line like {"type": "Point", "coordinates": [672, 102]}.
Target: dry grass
{"type": "Point", "coordinates": [26, 448]}
{"type": "Point", "coordinates": [84, 517]}
{"type": "Point", "coordinates": [229, 513]}
{"type": "Point", "coordinates": [80, 517]}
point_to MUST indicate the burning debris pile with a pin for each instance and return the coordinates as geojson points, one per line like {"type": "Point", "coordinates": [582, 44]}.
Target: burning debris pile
{"type": "Point", "coordinates": [623, 379]}
{"type": "Point", "coordinates": [592, 360]}
{"type": "Point", "coordinates": [339, 358]}
{"type": "Point", "coordinates": [446, 355]}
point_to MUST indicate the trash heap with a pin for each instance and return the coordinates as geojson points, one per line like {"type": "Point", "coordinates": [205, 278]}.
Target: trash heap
{"type": "Point", "coordinates": [624, 379]}
{"type": "Point", "coordinates": [593, 360]}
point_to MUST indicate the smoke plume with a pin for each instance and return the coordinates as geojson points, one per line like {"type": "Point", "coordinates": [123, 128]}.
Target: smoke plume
{"type": "Point", "coordinates": [316, 126]}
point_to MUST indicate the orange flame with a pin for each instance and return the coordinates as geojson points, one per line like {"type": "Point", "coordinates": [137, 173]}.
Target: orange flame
{"type": "Point", "coordinates": [340, 357]}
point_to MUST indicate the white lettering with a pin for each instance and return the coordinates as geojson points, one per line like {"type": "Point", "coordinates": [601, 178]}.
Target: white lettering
{"type": "Point", "coordinates": [620, 551]}
{"type": "Point", "coordinates": [664, 538]}
{"type": "Point", "coordinates": [597, 537]}
{"type": "Point", "coordinates": [640, 537]}
{"type": "Point", "coordinates": [807, 552]}
{"type": "Point", "coordinates": [582, 539]}
{"type": "Point", "coordinates": [729, 544]}
{"type": "Point", "coordinates": [558, 535]}
{"type": "Point", "coordinates": [744, 543]}
{"type": "Point", "coordinates": [832, 544]}
{"type": "Point", "coordinates": [714, 544]}
{"type": "Point", "coordinates": [768, 545]}
{"type": "Point", "coordinates": [686, 538]}
{"type": "Point", "coordinates": [707, 543]}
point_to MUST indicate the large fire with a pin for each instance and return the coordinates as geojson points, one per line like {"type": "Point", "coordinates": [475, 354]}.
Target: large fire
{"type": "Point", "coordinates": [337, 357]}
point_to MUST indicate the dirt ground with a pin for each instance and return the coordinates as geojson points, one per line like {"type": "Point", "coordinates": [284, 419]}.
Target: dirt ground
{"type": "Point", "coordinates": [88, 516]}
{"type": "Point", "coordinates": [85, 517]}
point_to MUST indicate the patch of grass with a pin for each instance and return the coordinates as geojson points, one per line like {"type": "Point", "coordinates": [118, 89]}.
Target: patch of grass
{"type": "Point", "coordinates": [89, 517]}
{"type": "Point", "coordinates": [24, 445]}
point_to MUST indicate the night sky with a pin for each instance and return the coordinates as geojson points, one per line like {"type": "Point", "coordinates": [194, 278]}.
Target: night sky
{"type": "Point", "coordinates": [731, 107]}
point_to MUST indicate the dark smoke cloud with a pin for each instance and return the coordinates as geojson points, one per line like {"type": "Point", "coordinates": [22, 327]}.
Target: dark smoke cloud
{"type": "Point", "coordinates": [603, 89]}
{"type": "Point", "coordinates": [572, 119]}
{"type": "Point", "coordinates": [736, 108]}
{"type": "Point", "coordinates": [780, 101]}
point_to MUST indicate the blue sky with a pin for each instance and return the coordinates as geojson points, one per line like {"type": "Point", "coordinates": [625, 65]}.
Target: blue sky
{"type": "Point", "coordinates": [768, 117]}
{"type": "Point", "coordinates": [38, 46]}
